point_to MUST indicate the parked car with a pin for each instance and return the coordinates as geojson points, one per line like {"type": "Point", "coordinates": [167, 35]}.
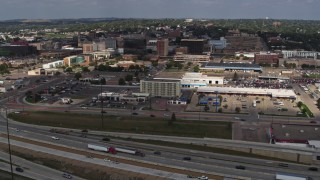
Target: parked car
{"type": "Point", "coordinates": [134, 113]}
{"type": "Point", "coordinates": [19, 169]}
{"type": "Point", "coordinates": [151, 115]}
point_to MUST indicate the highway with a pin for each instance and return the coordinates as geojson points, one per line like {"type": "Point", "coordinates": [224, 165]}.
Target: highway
{"type": "Point", "coordinates": [31, 170]}
{"type": "Point", "coordinates": [257, 169]}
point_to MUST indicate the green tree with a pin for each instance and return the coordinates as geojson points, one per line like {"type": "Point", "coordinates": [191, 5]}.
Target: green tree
{"type": "Point", "coordinates": [180, 66]}
{"type": "Point", "coordinates": [237, 109]}
{"type": "Point", "coordinates": [121, 81]}
{"type": "Point", "coordinates": [299, 104]}
{"type": "Point", "coordinates": [220, 110]}
{"type": "Point", "coordinates": [102, 67]}
{"type": "Point", "coordinates": [172, 119]}
{"type": "Point", "coordinates": [129, 77]}
{"type": "Point", "coordinates": [318, 103]}
{"type": "Point", "coordinates": [235, 76]}
{"type": "Point", "coordinates": [155, 63]}
{"type": "Point", "coordinates": [196, 69]}
{"type": "Point", "coordinates": [57, 73]}
{"type": "Point", "coordinates": [68, 69]}
{"type": "Point", "coordinates": [103, 81]}
{"type": "Point", "coordinates": [85, 69]}
{"type": "Point", "coordinates": [78, 75]}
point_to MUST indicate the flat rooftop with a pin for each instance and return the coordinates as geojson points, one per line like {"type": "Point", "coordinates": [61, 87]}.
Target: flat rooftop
{"type": "Point", "coordinates": [276, 93]}
{"type": "Point", "coordinates": [299, 132]}
{"type": "Point", "coordinates": [237, 65]}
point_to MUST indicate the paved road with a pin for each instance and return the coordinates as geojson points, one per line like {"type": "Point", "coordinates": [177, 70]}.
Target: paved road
{"type": "Point", "coordinates": [82, 158]}
{"type": "Point", "coordinates": [31, 170]}
{"type": "Point", "coordinates": [259, 169]}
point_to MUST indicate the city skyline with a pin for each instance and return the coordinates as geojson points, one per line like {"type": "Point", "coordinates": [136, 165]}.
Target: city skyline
{"type": "Point", "coordinates": [209, 9]}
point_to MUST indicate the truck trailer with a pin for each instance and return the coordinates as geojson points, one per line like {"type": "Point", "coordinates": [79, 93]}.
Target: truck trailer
{"type": "Point", "coordinates": [128, 151]}
{"type": "Point", "coordinates": [102, 148]}
{"type": "Point", "coordinates": [285, 176]}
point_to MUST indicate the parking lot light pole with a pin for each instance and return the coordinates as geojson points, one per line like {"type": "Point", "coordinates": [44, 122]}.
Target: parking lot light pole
{"type": "Point", "coordinates": [8, 137]}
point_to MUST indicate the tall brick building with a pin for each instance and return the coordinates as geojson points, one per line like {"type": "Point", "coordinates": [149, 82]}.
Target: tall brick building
{"type": "Point", "coordinates": [162, 47]}
{"type": "Point", "coordinates": [266, 58]}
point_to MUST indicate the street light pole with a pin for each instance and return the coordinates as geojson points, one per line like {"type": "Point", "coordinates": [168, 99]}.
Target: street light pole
{"type": "Point", "coordinates": [8, 136]}
{"type": "Point", "coordinates": [101, 100]}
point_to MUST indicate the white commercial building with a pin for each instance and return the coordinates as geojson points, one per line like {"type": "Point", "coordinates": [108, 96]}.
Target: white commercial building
{"type": "Point", "coordinates": [196, 80]}
{"type": "Point", "coordinates": [275, 93]}
{"type": "Point", "coordinates": [302, 54]}
{"type": "Point", "coordinates": [54, 64]}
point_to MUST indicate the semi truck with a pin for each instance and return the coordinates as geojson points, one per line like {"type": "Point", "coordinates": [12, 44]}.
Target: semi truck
{"type": "Point", "coordinates": [59, 131]}
{"type": "Point", "coordinates": [128, 151]}
{"type": "Point", "coordinates": [102, 148]}
{"type": "Point", "coordinates": [285, 176]}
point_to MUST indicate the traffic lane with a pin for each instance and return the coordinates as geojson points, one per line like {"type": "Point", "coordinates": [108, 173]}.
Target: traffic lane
{"type": "Point", "coordinates": [34, 168]}
{"type": "Point", "coordinates": [158, 159]}
{"type": "Point", "coordinates": [66, 140]}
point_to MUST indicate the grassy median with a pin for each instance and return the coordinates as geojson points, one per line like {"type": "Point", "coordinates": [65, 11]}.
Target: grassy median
{"type": "Point", "coordinates": [135, 124]}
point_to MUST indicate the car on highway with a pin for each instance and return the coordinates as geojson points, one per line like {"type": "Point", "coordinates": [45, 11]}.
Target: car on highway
{"type": "Point", "coordinates": [17, 129]}
{"type": "Point", "coordinates": [240, 167]}
{"type": "Point", "coordinates": [313, 169]}
{"type": "Point", "coordinates": [151, 115]}
{"type": "Point", "coordinates": [157, 153]}
{"type": "Point", "coordinates": [187, 158]}
{"type": "Point", "coordinates": [236, 118]}
{"type": "Point", "coordinates": [313, 122]}
{"type": "Point", "coordinates": [134, 113]}
{"type": "Point", "coordinates": [203, 177]}
{"type": "Point", "coordinates": [105, 139]}
{"type": "Point", "coordinates": [283, 165]}
{"type": "Point", "coordinates": [55, 138]}
{"type": "Point", "coordinates": [66, 175]}
{"type": "Point", "coordinates": [19, 169]}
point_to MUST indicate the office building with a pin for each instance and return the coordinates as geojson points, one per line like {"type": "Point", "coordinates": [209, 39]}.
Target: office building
{"type": "Point", "coordinates": [162, 47]}
{"type": "Point", "coordinates": [161, 88]}
{"type": "Point", "coordinates": [195, 46]}
{"type": "Point", "coordinates": [266, 58]}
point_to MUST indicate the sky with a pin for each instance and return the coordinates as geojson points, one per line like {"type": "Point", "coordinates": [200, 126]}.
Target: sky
{"type": "Point", "coordinates": [212, 9]}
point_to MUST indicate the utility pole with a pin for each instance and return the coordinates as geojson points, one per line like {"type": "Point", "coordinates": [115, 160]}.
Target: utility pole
{"type": "Point", "coordinates": [101, 100]}
{"type": "Point", "coordinates": [217, 101]}
{"type": "Point", "coordinates": [8, 137]}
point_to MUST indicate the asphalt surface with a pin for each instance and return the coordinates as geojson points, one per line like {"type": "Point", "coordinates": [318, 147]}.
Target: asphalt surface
{"type": "Point", "coordinates": [257, 169]}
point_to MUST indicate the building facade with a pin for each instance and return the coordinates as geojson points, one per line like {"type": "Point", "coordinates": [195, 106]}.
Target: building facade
{"type": "Point", "coordinates": [195, 46]}
{"type": "Point", "coordinates": [161, 88]}
{"type": "Point", "coordinates": [301, 54]}
{"type": "Point", "coordinates": [54, 64]}
{"type": "Point", "coordinates": [191, 58]}
{"type": "Point", "coordinates": [266, 58]}
{"type": "Point", "coordinates": [163, 47]}
{"type": "Point", "coordinates": [195, 80]}
{"type": "Point", "coordinates": [77, 60]}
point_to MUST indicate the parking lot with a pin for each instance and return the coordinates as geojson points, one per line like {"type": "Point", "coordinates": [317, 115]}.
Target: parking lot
{"type": "Point", "coordinates": [245, 104]}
